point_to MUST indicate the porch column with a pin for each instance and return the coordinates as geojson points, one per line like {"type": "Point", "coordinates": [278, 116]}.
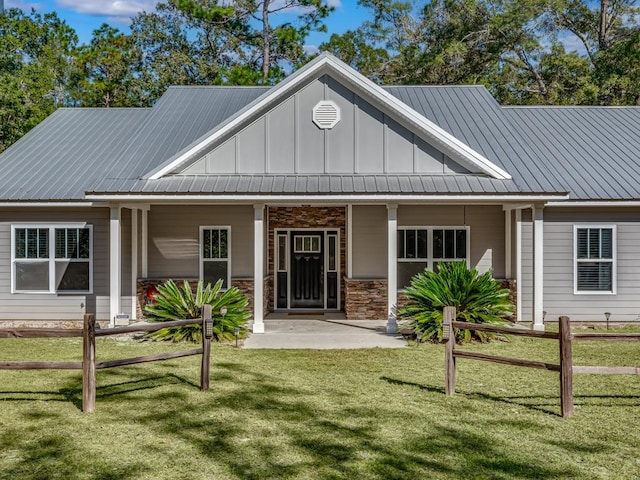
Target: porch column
{"type": "Point", "coordinates": [258, 269]}
{"type": "Point", "coordinates": [349, 241]}
{"type": "Point", "coordinates": [519, 265]}
{"type": "Point", "coordinates": [538, 240]}
{"type": "Point", "coordinates": [144, 241]}
{"type": "Point", "coordinates": [134, 263]}
{"type": "Point", "coordinates": [507, 244]}
{"type": "Point", "coordinates": [115, 271]}
{"type": "Point", "coordinates": [392, 269]}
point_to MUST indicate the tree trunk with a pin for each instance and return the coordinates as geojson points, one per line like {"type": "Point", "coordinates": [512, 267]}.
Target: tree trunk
{"type": "Point", "coordinates": [266, 41]}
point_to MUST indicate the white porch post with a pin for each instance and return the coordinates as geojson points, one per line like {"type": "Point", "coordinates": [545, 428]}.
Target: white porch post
{"type": "Point", "coordinates": [392, 270]}
{"type": "Point", "coordinates": [258, 269]}
{"type": "Point", "coordinates": [134, 263]}
{"type": "Point", "coordinates": [507, 244]}
{"type": "Point", "coordinates": [115, 270]}
{"type": "Point", "coordinates": [519, 265]}
{"type": "Point", "coordinates": [538, 286]}
{"type": "Point", "coordinates": [349, 240]}
{"type": "Point", "coordinates": [144, 238]}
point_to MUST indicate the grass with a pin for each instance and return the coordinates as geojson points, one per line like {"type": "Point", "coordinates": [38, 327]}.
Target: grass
{"type": "Point", "coordinates": [365, 414]}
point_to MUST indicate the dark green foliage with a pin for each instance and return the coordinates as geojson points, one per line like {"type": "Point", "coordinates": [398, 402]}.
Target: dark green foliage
{"type": "Point", "coordinates": [477, 298]}
{"type": "Point", "coordinates": [181, 303]}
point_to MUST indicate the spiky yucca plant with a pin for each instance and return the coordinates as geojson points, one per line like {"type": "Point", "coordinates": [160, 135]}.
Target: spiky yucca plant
{"type": "Point", "coordinates": [176, 303]}
{"type": "Point", "coordinates": [477, 298]}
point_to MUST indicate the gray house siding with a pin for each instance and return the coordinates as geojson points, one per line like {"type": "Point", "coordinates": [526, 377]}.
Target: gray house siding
{"type": "Point", "coordinates": [174, 237]}
{"type": "Point", "coordinates": [559, 296]}
{"type": "Point", "coordinates": [56, 306]}
{"type": "Point", "coordinates": [285, 140]}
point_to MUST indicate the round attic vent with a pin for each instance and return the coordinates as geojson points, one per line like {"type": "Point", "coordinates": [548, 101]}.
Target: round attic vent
{"type": "Point", "coordinates": [326, 114]}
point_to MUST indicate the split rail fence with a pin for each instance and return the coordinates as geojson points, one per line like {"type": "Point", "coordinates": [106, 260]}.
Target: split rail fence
{"type": "Point", "coordinates": [89, 365]}
{"type": "Point", "coordinates": [565, 367]}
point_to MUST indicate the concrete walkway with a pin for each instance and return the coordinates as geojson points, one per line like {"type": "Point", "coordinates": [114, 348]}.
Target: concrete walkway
{"type": "Point", "coordinates": [322, 331]}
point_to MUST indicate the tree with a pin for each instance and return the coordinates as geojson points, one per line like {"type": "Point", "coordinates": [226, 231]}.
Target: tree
{"type": "Point", "coordinates": [35, 67]}
{"type": "Point", "coordinates": [107, 71]}
{"type": "Point", "coordinates": [272, 46]}
{"type": "Point", "coordinates": [517, 48]}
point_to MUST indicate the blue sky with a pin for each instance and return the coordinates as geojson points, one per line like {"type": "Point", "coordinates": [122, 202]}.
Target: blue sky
{"type": "Point", "coordinates": [86, 15]}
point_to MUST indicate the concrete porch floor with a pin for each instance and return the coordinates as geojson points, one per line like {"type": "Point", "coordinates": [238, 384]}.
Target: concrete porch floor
{"type": "Point", "coordinates": [322, 331]}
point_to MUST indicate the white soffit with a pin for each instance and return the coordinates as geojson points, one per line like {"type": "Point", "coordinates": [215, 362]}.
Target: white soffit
{"type": "Point", "coordinates": [328, 64]}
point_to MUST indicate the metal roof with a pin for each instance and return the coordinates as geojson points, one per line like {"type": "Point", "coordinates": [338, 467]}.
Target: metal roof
{"type": "Point", "coordinates": [66, 153]}
{"type": "Point", "coordinates": [593, 151]}
{"type": "Point", "coordinates": [311, 184]}
{"type": "Point", "coordinates": [590, 151]}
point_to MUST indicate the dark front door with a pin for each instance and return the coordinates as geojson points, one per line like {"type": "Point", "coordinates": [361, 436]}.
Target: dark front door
{"type": "Point", "coordinates": [307, 270]}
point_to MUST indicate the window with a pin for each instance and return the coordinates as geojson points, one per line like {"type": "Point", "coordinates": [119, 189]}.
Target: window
{"type": "Point", "coordinates": [307, 244]}
{"type": "Point", "coordinates": [52, 259]}
{"type": "Point", "coordinates": [595, 254]}
{"type": "Point", "coordinates": [421, 248]}
{"type": "Point", "coordinates": [215, 255]}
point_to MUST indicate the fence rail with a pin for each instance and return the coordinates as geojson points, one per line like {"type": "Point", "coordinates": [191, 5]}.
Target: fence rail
{"type": "Point", "coordinates": [89, 366]}
{"type": "Point", "coordinates": [564, 337]}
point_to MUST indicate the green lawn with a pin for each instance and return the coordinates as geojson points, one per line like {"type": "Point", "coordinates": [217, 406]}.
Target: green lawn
{"type": "Point", "coordinates": [360, 414]}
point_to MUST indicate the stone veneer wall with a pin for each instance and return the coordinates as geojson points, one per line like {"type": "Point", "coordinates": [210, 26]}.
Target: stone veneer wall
{"type": "Point", "coordinates": [245, 285]}
{"type": "Point", "coordinates": [365, 299]}
{"type": "Point", "coordinates": [306, 217]}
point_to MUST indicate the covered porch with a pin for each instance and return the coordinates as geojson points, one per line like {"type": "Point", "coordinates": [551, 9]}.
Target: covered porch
{"type": "Point", "coordinates": [364, 253]}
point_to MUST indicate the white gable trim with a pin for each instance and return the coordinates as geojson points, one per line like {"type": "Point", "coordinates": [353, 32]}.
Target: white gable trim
{"type": "Point", "coordinates": [460, 151]}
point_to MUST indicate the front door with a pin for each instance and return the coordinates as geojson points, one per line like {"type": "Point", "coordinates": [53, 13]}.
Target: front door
{"type": "Point", "coordinates": [307, 270]}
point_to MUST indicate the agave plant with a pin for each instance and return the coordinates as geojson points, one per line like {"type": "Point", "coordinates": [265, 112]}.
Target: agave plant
{"type": "Point", "coordinates": [177, 303]}
{"type": "Point", "coordinates": [477, 299]}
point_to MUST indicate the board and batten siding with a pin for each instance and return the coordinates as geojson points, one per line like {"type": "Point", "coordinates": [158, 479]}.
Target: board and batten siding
{"type": "Point", "coordinates": [285, 140]}
{"type": "Point", "coordinates": [28, 307]}
{"type": "Point", "coordinates": [559, 296]}
{"type": "Point", "coordinates": [369, 240]}
{"type": "Point", "coordinates": [174, 238]}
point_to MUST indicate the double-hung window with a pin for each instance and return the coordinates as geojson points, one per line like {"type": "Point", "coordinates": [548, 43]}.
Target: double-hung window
{"type": "Point", "coordinates": [421, 248]}
{"type": "Point", "coordinates": [215, 255]}
{"type": "Point", "coordinates": [595, 259]}
{"type": "Point", "coordinates": [52, 258]}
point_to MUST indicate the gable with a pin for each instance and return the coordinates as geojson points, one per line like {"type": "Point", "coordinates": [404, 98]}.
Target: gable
{"type": "Point", "coordinates": [287, 140]}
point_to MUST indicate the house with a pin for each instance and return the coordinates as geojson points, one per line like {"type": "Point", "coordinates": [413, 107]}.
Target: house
{"type": "Point", "coordinates": [325, 192]}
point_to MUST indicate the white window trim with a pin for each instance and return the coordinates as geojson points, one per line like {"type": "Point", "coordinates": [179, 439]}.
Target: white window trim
{"type": "Point", "coordinates": [201, 256]}
{"type": "Point", "coordinates": [614, 260]}
{"type": "Point", "coordinates": [51, 260]}
{"type": "Point", "coordinates": [430, 259]}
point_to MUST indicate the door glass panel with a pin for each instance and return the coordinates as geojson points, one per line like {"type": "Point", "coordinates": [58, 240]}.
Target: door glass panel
{"type": "Point", "coordinates": [332, 253]}
{"type": "Point", "coordinates": [282, 253]}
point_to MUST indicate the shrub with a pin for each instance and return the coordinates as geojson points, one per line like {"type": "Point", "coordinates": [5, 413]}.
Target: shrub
{"type": "Point", "coordinates": [477, 299]}
{"type": "Point", "coordinates": [174, 303]}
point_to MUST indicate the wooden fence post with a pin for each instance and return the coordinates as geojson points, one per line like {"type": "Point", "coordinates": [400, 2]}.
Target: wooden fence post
{"type": "Point", "coordinates": [89, 363]}
{"type": "Point", "coordinates": [206, 350]}
{"type": "Point", "coordinates": [566, 368]}
{"type": "Point", "coordinates": [448, 334]}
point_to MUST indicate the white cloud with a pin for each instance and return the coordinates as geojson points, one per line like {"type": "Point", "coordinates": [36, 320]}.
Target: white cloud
{"type": "Point", "coordinates": [111, 8]}
{"type": "Point", "coordinates": [334, 3]}
{"type": "Point", "coordinates": [311, 49]}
